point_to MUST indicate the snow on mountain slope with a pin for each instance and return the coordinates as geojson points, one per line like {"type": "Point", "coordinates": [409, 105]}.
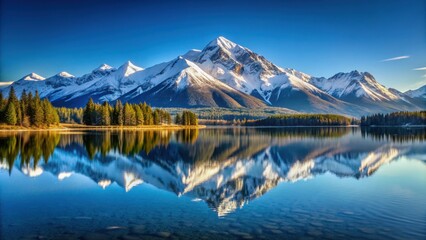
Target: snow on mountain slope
{"type": "Point", "coordinates": [241, 68]}
{"type": "Point", "coordinates": [102, 84]}
{"type": "Point", "coordinates": [33, 77]}
{"type": "Point", "coordinates": [417, 93]}
{"type": "Point", "coordinates": [112, 85]}
{"type": "Point", "coordinates": [127, 69]}
{"type": "Point", "coordinates": [64, 95]}
{"type": "Point", "coordinates": [238, 67]}
{"type": "Point", "coordinates": [242, 72]}
{"type": "Point", "coordinates": [61, 79]}
{"type": "Point", "coordinates": [31, 83]}
{"type": "Point", "coordinates": [181, 83]}
{"type": "Point", "coordinates": [58, 86]}
{"type": "Point", "coordinates": [101, 71]}
{"type": "Point", "coordinates": [251, 73]}
{"type": "Point", "coordinates": [359, 84]}
{"type": "Point", "coordinates": [362, 89]}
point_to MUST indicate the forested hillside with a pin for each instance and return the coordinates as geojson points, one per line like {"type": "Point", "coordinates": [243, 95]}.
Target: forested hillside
{"type": "Point", "coordinates": [395, 119]}
{"type": "Point", "coordinates": [304, 120]}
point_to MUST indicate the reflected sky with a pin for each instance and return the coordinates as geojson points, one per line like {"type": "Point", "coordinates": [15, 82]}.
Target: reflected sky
{"type": "Point", "coordinates": [226, 169]}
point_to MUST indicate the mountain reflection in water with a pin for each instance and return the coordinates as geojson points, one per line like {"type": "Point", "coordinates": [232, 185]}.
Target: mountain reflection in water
{"type": "Point", "coordinates": [225, 167]}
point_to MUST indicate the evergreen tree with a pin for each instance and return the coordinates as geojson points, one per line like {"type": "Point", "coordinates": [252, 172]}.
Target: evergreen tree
{"type": "Point", "coordinates": [50, 114]}
{"type": "Point", "coordinates": [70, 115]}
{"type": "Point", "coordinates": [2, 107]}
{"type": "Point", "coordinates": [14, 99]}
{"type": "Point", "coordinates": [168, 118]}
{"type": "Point", "coordinates": [10, 114]}
{"type": "Point", "coordinates": [24, 101]}
{"type": "Point", "coordinates": [105, 114]}
{"type": "Point", "coordinates": [187, 118]}
{"type": "Point", "coordinates": [2, 101]}
{"type": "Point", "coordinates": [89, 113]}
{"type": "Point", "coordinates": [24, 109]}
{"type": "Point", "coordinates": [30, 107]}
{"type": "Point", "coordinates": [147, 114]}
{"type": "Point", "coordinates": [139, 115]}
{"type": "Point", "coordinates": [178, 119]}
{"type": "Point", "coordinates": [118, 113]}
{"type": "Point", "coordinates": [129, 115]}
{"type": "Point", "coordinates": [12, 95]}
{"type": "Point", "coordinates": [37, 114]}
{"type": "Point", "coordinates": [193, 119]}
{"type": "Point", "coordinates": [157, 117]}
{"type": "Point", "coordinates": [56, 119]}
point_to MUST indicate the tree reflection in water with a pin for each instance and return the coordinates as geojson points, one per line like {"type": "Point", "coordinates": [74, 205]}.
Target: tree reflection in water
{"type": "Point", "coordinates": [225, 167]}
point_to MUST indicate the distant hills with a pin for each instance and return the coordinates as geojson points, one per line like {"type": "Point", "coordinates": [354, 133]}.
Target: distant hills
{"type": "Point", "coordinates": [224, 74]}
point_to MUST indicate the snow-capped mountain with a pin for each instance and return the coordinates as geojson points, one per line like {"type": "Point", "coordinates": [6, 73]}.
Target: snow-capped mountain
{"type": "Point", "coordinates": [101, 71]}
{"type": "Point", "coordinates": [61, 79]}
{"type": "Point", "coordinates": [417, 93]}
{"type": "Point", "coordinates": [223, 74]}
{"type": "Point", "coordinates": [181, 83]}
{"type": "Point", "coordinates": [354, 84]}
{"type": "Point", "coordinates": [31, 83]}
{"type": "Point", "coordinates": [251, 73]}
{"type": "Point", "coordinates": [33, 77]}
{"type": "Point", "coordinates": [361, 88]}
{"type": "Point", "coordinates": [102, 84]}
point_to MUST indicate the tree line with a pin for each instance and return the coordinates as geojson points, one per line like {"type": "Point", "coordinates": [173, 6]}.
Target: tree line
{"type": "Point", "coordinates": [132, 115]}
{"type": "Point", "coordinates": [304, 120]}
{"type": "Point", "coordinates": [186, 118]}
{"type": "Point", "coordinates": [123, 115]}
{"type": "Point", "coordinates": [70, 115]}
{"type": "Point", "coordinates": [28, 111]}
{"type": "Point", "coordinates": [395, 119]}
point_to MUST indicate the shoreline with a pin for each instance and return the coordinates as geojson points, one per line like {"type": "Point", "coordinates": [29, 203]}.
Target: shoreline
{"type": "Point", "coordinates": [70, 127]}
{"type": "Point", "coordinates": [316, 126]}
{"type": "Point", "coordinates": [65, 127]}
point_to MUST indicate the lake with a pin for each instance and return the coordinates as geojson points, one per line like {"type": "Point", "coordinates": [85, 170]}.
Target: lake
{"type": "Point", "coordinates": [214, 183]}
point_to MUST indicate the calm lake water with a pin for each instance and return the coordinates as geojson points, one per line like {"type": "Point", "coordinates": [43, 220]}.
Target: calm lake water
{"type": "Point", "coordinates": [222, 183]}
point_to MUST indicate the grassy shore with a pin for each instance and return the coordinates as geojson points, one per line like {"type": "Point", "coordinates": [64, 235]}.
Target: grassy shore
{"type": "Point", "coordinates": [67, 126]}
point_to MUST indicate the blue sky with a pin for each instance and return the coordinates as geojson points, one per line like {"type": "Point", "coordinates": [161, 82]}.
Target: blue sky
{"type": "Point", "coordinates": [318, 37]}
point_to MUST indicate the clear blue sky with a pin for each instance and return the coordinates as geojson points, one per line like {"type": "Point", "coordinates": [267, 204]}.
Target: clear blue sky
{"type": "Point", "coordinates": [318, 37]}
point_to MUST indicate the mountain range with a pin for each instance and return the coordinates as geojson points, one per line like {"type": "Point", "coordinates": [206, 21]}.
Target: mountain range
{"type": "Point", "coordinates": [224, 74]}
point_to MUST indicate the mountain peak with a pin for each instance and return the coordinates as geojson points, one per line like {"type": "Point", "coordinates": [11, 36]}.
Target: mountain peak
{"type": "Point", "coordinates": [355, 73]}
{"type": "Point", "coordinates": [129, 68]}
{"type": "Point", "coordinates": [103, 67]}
{"type": "Point", "coordinates": [355, 84]}
{"type": "Point", "coordinates": [358, 74]}
{"type": "Point", "coordinates": [33, 77]}
{"type": "Point", "coordinates": [65, 75]}
{"type": "Point", "coordinates": [223, 43]}
{"type": "Point", "coordinates": [129, 64]}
